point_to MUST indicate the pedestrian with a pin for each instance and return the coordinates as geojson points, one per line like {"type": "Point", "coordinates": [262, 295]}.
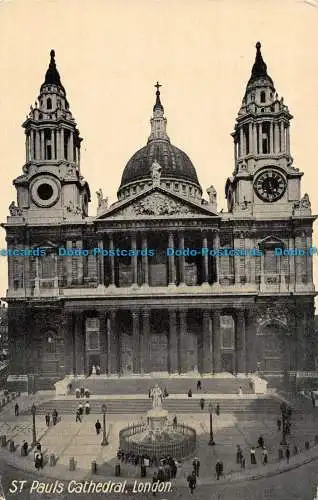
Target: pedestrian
{"type": "Point", "coordinates": [217, 409]}
{"type": "Point", "coordinates": [87, 408]}
{"type": "Point", "coordinates": [54, 416]}
{"type": "Point", "coordinates": [242, 462]}
{"type": "Point", "coordinates": [78, 416]}
{"type": "Point", "coordinates": [218, 469]}
{"type": "Point", "coordinates": [165, 393]}
{"type": "Point", "coordinates": [260, 442]}
{"type": "Point", "coordinates": [238, 454]}
{"type": "Point", "coordinates": [287, 454]}
{"type": "Point", "coordinates": [253, 456]}
{"type": "Point", "coordinates": [313, 399]}
{"type": "Point", "coordinates": [175, 422]}
{"type": "Point", "coordinates": [47, 419]}
{"type": "Point", "coordinates": [155, 481]}
{"type": "Point", "coordinates": [189, 393]}
{"type": "Point", "coordinates": [80, 408]}
{"type": "Point", "coordinates": [240, 391]}
{"type": "Point", "coordinates": [16, 410]}
{"type": "Point", "coordinates": [199, 385]}
{"type": "Point", "coordinates": [288, 426]}
{"type": "Point", "coordinates": [202, 403]}
{"type": "Point", "coordinates": [196, 466]}
{"type": "Point", "coordinates": [38, 459]}
{"type": "Point", "coordinates": [192, 482]}
{"type": "Point", "coordinates": [98, 426]}
{"type": "Point", "coordinates": [265, 456]}
{"type": "Point", "coordinates": [279, 424]}
{"type": "Point", "coordinates": [161, 474]}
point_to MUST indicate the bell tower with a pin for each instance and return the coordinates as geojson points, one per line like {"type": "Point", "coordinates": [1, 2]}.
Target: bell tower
{"type": "Point", "coordinates": [51, 186]}
{"type": "Point", "coordinates": [264, 180]}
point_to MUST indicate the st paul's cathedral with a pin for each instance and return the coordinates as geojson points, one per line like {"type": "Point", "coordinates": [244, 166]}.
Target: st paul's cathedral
{"type": "Point", "coordinates": [175, 311]}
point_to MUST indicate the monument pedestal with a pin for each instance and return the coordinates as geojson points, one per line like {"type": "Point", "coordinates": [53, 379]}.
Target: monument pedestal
{"type": "Point", "coordinates": [157, 419]}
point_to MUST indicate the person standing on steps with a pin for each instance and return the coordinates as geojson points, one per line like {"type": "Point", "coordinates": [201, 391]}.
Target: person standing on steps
{"type": "Point", "coordinates": [196, 466]}
{"type": "Point", "coordinates": [16, 410]}
{"type": "Point", "coordinates": [47, 419]}
{"type": "Point", "coordinates": [192, 482]}
{"type": "Point", "coordinates": [253, 456]}
{"type": "Point", "coordinates": [199, 385]}
{"type": "Point", "coordinates": [202, 403]}
{"type": "Point", "coordinates": [98, 427]}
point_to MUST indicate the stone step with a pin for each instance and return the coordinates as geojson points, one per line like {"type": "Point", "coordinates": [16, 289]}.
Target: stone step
{"type": "Point", "coordinates": [129, 406]}
{"type": "Point", "coordinates": [103, 385]}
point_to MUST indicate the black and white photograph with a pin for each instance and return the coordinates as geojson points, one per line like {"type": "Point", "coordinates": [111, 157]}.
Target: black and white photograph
{"type": "Point", "coordinates": [158, 251]}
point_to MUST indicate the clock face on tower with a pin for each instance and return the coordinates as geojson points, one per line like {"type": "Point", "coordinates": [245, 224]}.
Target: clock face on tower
{"type": "Point", "coordinates": [270, 185]}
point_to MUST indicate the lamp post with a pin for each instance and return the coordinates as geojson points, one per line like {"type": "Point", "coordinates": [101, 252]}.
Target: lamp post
{"type": "Point", "coordinates": [33, 411]}
{"type": "Point", "coordinates": [284, 419]}
{"type": "Point", "coordinates": [211, 441]}
{"type": "Point", "coordinates": [104, 410]}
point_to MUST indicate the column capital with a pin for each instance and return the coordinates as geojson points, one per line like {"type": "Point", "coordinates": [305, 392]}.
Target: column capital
{"type": "Point", "coordinates": [206, 313]}
{"type": "Point", "coordinates": [135, 314]}
{"type": "Point", "coordinates": [146, 313]}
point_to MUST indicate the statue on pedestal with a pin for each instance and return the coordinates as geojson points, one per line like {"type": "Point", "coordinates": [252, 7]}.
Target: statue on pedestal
{"type": "Point", "coordinates": [156, 395]}
{"type": "Point", "coordinates": [102, 203]}
{"type": "Point", "coordinates": [155, 172]}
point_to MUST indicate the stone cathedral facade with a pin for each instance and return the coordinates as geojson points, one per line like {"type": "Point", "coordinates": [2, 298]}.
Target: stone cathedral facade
{"type": "Point", "coordinates": [145, 309]}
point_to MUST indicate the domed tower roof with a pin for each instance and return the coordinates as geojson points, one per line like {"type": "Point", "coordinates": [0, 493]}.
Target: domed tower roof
{"type": "Point", "coordinates": [175, 163]}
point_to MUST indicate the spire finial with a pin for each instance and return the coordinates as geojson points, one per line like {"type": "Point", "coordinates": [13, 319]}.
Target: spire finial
{"type": "Point", "coordinates": [258, 46]}
{"type": "Point", "coordinates": [52, 75]}
{"type": "Point", "coordinates": [52, 54]}
{"type": "Point", "coordinates": [158, 105]}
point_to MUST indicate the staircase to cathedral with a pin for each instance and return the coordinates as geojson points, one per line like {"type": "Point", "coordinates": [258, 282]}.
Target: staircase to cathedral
{"type": "Point", "coordinates": [99, 385]}
{"type": "Point", "coordinates": [246, 408]}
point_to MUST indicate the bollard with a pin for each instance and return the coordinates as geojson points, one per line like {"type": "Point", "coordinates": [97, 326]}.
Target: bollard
{"type": "Point", "coordinates": [307, 445]}
{"type": "Point", "coordinates": [94, 467]}
{"type": "Point", "coordinates": [117, 470]}
{"type": "Point", "coordinates": [52, 460]}
{"type": "Point", "coordinates": [11, 445]}
{"type": "Point", "coordinates": [72, 464]}
{"type": "Point", "coordinates": [3, 440]}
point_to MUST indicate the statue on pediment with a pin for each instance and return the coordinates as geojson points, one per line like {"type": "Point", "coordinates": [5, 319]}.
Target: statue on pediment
{"type": "Point", "coordinates": [155, 172]}
{"type": "Point", "coordinates": [102, 203]}
{"type": "Point", "coordinates": [211, 191]}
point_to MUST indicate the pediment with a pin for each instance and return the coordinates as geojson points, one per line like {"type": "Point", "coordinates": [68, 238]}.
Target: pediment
{"type": "Point", "coordinates": [156, 202]}
{"type": "Point", "coordinates": [271, 241]}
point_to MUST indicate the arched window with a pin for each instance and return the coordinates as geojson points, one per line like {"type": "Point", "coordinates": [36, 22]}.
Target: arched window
{"type": "Point", "coordinates": [49, 103]}
{"type": "Point", "coordinates": [263, 96]}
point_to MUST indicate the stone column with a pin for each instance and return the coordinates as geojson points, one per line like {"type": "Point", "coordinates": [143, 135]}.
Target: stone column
{"type": "Point", "coordinates": [216, 332]}
{"type": "Point", "coordinates": [276, 138]}
{"type": "Point", "coordinates": [288, 139]}
{"type": "Point", "coordinates": [69, 265]}
{"type": "Point", "coordinates": [298, 259]}
{"type": "Point", "coordinates": [145, 359]}
{"type": "Point", "coordinates": [205, 260]}
{"type": "Point", "coordinates": [112, 261]}
{"type": "Point", "coordinates": [134, 260]}
{"type": "Point", "coordinates": [103, 341]}
{"type": "Point", "coordinates": [171, 262]}
{"type": "Point", "coordinates": [271, 137]}
{"type": "Point", "coordinates": [235, 152]}
{"type": "Point", "coordinates": [42, 145]}
{"type": "Point", "coordinates": [31, 144]}
{"type": "Point", "coordinates": [173, 341]}
{"type": "Point", "coordinates": [145, 267]}
{"type": "Point", "coordinates": [183, 341]}
{"type": "Point", "coordinates": [108, 344]}
{"type": "Point", "coordinates": [80, 266]}
{"type": "Point", "coordinates": [260, 138]}
{"type": "Point", "coordinates": [255, 138]}
{"type": "Point", "coordinates": [53, 155]}
{"type": "Point", "coordinates": [291, 263]}
{"type": "Point", "coordinates": [71, 147]}
{"type": "Point", "coordinates": [115, 354]}
{"type": "Point", "coordinates": [241, 342]}
{"type": "Point", "coordinates": [69, 348]}
{"type": "Point", "coordinates": [101, 263]}
{"type": "Point", "coordinates": [237, 260]}
{"type": "Point", "coordinates": [241, 143]}
{"type": "Point", "coordinates": [80, 339]}
{"type": "Point", "coordinates": [282, 137]}
{"type": "Point", "coordinates": [37, 145]}
{"type": "Point", "coordinates": [62, 156]}
{"type": "Point", "coordinates": [262, 269]}
{"type": "Point", "coordinates": [309, 260]}
{"type": "Point", "coordinates": [216, 245]}
{"type": "Point", "coordinates": [250, 338]}
{"type": "Point", "coordinates": [250, 138]}
{"type": "Point", "coordinates": [207, 362]}
{"type": "Point", "coordinates": [181, 260]}
{"type": "Point", "coordinates": [136, 341]}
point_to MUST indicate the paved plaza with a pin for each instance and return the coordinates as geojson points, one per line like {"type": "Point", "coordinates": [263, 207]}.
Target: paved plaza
{"type": "Point", "coordinates": [79, 440]}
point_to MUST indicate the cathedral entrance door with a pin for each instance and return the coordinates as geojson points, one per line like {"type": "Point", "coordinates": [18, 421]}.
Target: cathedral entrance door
{"type": "Point", "coordinates": [227, 362]}
{"type": "Point", "coordinates": [126, 354]}
{"type": "Point", "coordinates": [158, 352]}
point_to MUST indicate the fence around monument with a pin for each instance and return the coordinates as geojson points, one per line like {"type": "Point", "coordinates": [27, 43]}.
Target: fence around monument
{"type": "Point", "coordinates": [183, 446]}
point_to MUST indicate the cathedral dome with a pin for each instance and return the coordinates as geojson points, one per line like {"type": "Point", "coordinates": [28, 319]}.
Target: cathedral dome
{"type": "Point", "coordinates": [174, 162]}
{"type": "Point", "coordinates": [175, 165]}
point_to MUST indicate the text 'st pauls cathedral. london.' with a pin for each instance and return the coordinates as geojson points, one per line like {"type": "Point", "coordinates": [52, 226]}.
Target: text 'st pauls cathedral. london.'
{"type": "Point", "coordinates": [156, 312]}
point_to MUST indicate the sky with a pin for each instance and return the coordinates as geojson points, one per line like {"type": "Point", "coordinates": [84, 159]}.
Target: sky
{"type": "Point", "coordinates": [110, 53]}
